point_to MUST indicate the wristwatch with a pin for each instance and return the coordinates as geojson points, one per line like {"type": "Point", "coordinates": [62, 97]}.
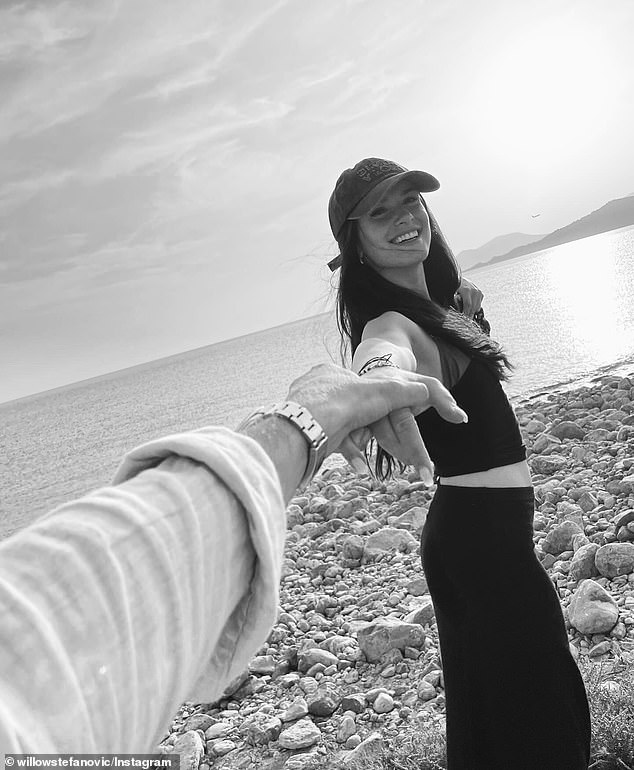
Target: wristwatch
{"type": "Point", "coordinates": [310, 429]}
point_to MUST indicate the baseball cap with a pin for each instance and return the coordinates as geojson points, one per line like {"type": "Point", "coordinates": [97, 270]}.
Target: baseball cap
{"type": "Point", "coordinates": [361, 187]}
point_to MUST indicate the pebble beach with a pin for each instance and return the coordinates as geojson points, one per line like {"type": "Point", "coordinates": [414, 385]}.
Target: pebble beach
{"type": "Point", "coordinates": [353, 658]}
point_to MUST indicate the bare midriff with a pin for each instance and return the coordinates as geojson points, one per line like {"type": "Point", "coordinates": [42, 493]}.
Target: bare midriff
{"type": "Point", "coordinates": [515, 475]}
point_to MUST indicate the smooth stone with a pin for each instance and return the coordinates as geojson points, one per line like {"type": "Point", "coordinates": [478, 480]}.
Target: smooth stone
{"type": "Point", "coordinates": [423, 615]}
{"type": "Point", "coordinates": [353, 547]}
{"type": "Point", "coordinates": [383, 703]}
{"type": "Point", "coordinates": [354, 702]}
{"type": "Point", "coordinates": [426, 690]}
{"type": "Point", "coordinates": [199, 722]}
{"type": "Point", "coordinates": [307, 659]}
{"type": "Point", "coordinates": [567, 430]}
{"type": "Point", "coordinates": [260, 728]}
{"type": "Point", "coordinates": [223, 747]}
{"type": "Point", "coordinates": [262, 665]}
{"type": "Point", "coordinates": [582, 565]}
{"type": "Point", "coordinates": [623, 519]}
{"type": "Point", "coordinates": [218, 730]}
{"type": "Point", "coordinates": [366, 751]}
{"type": "Point", "coordinates": [615, 559]}
{"type": "Point", "coordinates": [297, 710]}
{"type": "Point", "coordinates": [600, 649]}
{"type": "Point", "coordinates": [347, 728]}
{"type": "Point", "coordinates": [388, 633]}
{"type": "Point", "coordinates": [300, 735]}
{"type": "Point", "coordinates": [592, 610]}
{"type": "Point", "coordinates": [559, 539]}
{"type": "Point", "coordinates": [324, 702]}
{"type": "Point", "coordinates": [190, 748]}
{"type": "Point", "coordinates": [417, 587]}
{"type": "Point", "coordinates": [549, 465]}
{"type": "Point", "coordinates": [389, 539]}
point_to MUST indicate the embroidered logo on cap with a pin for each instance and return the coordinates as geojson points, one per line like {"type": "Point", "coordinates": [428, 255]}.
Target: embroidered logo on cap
{"type": "Point", "coordinates": [376, 167]}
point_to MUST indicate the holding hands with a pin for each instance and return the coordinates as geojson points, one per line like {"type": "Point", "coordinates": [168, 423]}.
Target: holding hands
{"type": "Point", "coordinates": [382, 402]}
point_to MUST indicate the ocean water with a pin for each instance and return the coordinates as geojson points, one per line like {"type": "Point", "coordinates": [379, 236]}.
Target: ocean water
{"type": "Point", "coordinates": [561, 314]}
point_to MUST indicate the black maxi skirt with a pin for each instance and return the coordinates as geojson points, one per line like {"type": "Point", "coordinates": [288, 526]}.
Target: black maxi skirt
{"type": "Point", "coordinates": [515, 699]}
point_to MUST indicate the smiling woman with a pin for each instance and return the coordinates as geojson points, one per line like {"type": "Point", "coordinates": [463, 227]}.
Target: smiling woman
{"type": "Point", "coordinates": [518, 700]}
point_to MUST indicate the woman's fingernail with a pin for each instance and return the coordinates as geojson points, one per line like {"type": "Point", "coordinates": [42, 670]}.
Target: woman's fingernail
{"type": "Point", "coordinates": [462, 413]}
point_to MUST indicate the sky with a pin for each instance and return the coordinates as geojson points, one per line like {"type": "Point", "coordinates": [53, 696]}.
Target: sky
{"type": "Point", "coordinates": [165, 168]}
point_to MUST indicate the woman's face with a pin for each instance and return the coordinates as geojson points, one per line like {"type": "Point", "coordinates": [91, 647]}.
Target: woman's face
{"type": "Point", "coordinates": [396, 232]}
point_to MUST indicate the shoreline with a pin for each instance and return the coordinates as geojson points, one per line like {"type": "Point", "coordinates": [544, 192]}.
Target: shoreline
{"type": "Point", "coordinates": [315, 691]}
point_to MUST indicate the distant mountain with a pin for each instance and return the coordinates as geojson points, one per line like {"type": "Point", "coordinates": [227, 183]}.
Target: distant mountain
{"type": "Point", "coordinates": [615, 214]}
{"type": "Point", "coordinates": [500, 245]}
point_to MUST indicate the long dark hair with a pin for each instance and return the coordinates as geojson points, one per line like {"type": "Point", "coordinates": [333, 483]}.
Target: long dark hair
{"type": "Point", "coordinates": [363, 294]}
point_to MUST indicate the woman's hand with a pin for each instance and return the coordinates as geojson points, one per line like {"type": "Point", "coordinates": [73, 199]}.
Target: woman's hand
{"type": "Point", "coordinates": [383, 401]}
{"type": "Point", "coordinates": [470, 297]}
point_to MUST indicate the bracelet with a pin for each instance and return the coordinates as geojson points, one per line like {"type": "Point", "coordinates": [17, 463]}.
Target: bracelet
{"type": "Point", "coordinates": [376, 363]}
{"type": "Point", "coordinates": [310, 429]}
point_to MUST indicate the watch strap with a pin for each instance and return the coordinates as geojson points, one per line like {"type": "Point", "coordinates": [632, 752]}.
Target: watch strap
{"type": "Point", "coordinates": [310, 429]}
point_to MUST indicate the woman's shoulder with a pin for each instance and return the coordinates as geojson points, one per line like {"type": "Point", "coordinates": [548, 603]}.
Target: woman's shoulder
{"type": "Point", "coordinates": [393, 320]}
{"type": "Point", "coordinates": [402, 330]}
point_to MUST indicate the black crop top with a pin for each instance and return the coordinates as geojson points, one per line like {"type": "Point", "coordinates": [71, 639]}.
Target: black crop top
{"type": "Point", "coordinates": [492, 436]}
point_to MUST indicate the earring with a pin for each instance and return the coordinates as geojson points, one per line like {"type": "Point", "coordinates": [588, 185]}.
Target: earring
{"type": "Point", "coordinates": [361, 260]}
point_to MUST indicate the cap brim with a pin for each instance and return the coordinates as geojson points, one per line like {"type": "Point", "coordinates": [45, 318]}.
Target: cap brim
{"type": "Point", "coordinates": [420, 181]}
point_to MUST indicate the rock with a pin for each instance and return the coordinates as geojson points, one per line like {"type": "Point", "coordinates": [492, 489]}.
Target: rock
{"type": "Point", "coordinates": [545, 444]}
{"type": "Point", "coordinates": [615, 559]}
{"type": "Point", "coordinates": [587, 502]}
{"type": "Point", "coordinates": [218, 730]}
{"type": "Point", "coordinates": [367, 751]}
{"type": "Point", "coordinates": [549, 465]}
{"type": "Point", "coordinates": [354, 702]}
{"type": "Point", "coordinates": [389, 539]}
{"type": "Point", "coordinates": [307, 659]}
{"type": "Point", "coordinates": [353, 741]}
{"type": "Point", "coordinates": [578, 541]}
{"type": "Point", "coordinates": [235, 684]}
{"type": "Point", "coordinates": [353, 547]}
{"type": "Point", "coordinates": [347, 728]}
{"type": "Point", "coordinates": [222, 747]}
{"type": "Point", "coordinates": [582, 565]}
{"type": "Point", "coordinates": [324, 702]}
{"type": "Point", "coordinates": [414, 520]}
{"type": "Point", "coordinates": [567, 429]}
{"type": "Point", "coordinates": [592, 610]}
{"type": "Point", "coordinates": [383, 703]}
{"type": "Point", "coordinates": [199, 722]}
{"type": "Point", "coordinates": [426, 690]}
{"type": "Point", "coordinates": [297, 710]}
{"type": "Point", "coordinates": [262, 665]}
{"type": "Point", "coordinates": [600, 649]}
{"type": "Point", "coordinates": [623, 519]}
{"type": "Point", "coordinates": [386, 634]}
{"type": "Point", "coordinates": [417, 587]}
{"type": "Point", "coordinates": [190, 747]}
{"type": "Point", "coordinates": [302, 761]}
{"type": "Point", "coordinates": [300, 735]}
{"type": "Point", "coordinates": [559, 539]}
{"type": "Point", "coordinates": [260, 728]}
{"type": "Point", "coordinates": [423, 615]}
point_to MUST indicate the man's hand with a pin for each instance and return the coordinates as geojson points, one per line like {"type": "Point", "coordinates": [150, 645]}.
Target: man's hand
{"type": "Point", "coordinates": [345, 405]}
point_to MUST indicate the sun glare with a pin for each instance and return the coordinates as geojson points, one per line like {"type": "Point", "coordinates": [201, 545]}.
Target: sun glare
{"type": "Point", "coordinates": [576, 267]}
{"type": "Point", "coordinates": [546, 95]}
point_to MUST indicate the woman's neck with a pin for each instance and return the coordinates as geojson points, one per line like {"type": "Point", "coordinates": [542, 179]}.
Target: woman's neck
{"type": "Point", "coordinates": [411, 277]}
